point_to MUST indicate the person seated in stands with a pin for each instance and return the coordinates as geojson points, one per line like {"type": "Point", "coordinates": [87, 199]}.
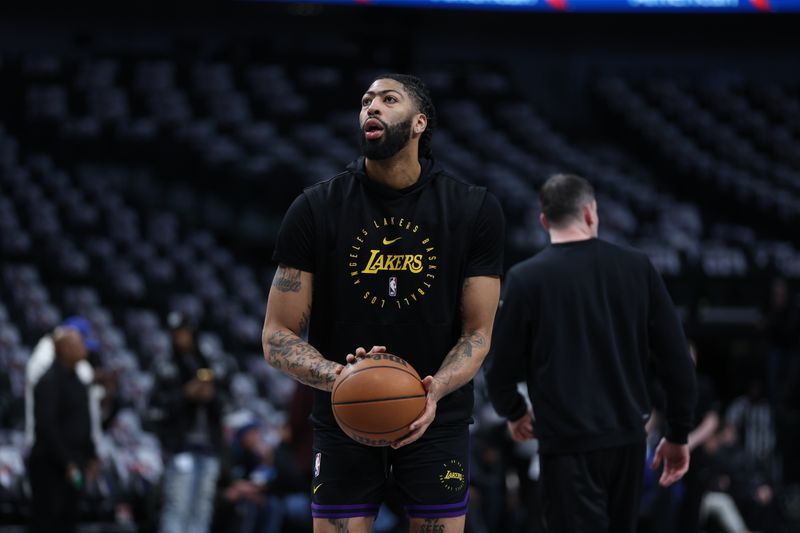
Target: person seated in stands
{"type": "Point", "coordinates": [740, 497]}
{"type": "Point", "coordinates": [247, 504]}
{"type": "Point", "coordinates": [752, 417]}
{"type": "Point", "coordinates": [780, 324]}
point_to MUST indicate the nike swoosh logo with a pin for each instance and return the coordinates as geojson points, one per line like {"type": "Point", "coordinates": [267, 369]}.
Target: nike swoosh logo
{"type": "Point", "coordinates": [387, 242]}
{"type": "Point", "coordinates": [317, 487]}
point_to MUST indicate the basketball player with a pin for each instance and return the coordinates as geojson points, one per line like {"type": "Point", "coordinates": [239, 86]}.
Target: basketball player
{"type": "Point", "coordinates": [578, 322]}
{"type": "Point", "coordinates": [393, 252]}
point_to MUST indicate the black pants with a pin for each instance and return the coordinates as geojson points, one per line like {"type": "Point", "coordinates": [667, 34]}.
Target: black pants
{"type": "Point", "coordinates": [596, 491]}
{"type": "Point", "coordinates": [54, 500]}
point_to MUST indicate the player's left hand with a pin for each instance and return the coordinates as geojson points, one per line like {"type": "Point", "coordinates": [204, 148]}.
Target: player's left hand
{"type": "Point", "coordinates": [522, 428]}
{"type": "Point", "coordinates": [420, 425]}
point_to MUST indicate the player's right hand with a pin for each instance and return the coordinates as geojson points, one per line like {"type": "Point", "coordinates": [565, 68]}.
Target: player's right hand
{"type": "Point", "coordinates": [362, 353]}
{"type": "Point", "coordinates": [676, 461]}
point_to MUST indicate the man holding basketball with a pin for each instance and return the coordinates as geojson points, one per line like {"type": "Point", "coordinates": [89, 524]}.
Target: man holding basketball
{"type": "Point", "coordinates": [392, 252]}
{"type": "Point", "coordinates": [578, 322]}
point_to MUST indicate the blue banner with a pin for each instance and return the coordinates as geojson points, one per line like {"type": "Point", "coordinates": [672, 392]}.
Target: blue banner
{"type": "Point", "coordinates": [585, 6]}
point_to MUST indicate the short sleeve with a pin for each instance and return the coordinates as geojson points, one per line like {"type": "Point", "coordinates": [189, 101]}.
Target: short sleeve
{"type": "Point", "coordinates": [295, 244]}
{"type": "Point", "coordinates": [486, 248]}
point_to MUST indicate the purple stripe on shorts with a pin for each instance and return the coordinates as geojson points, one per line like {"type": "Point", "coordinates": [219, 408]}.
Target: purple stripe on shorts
{"type": "Point", "coordinates": [462, 503]}
{"type": "Point", "coordinates": [342, 515]}
{"type": "Point", "coordinates": [438, 515]}
{"type": "Point", "coordinates": [321, 507]}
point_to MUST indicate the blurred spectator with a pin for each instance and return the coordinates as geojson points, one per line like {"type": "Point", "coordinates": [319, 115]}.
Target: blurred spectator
{"type": "Point", "coordinates": [7, 401]}
{"type": "Point", "coordinates": [751, 417]}
{"type": "Point", "coordinates": [247, 492]}
{"type": "Point", "coordinates": [294, 468]}
{"type": "Point", "coordinates": [135, 469]}
{"type": "Point", "coordinates": [706, 415]}
{"type": "Point", "coordinates": [488, 466]}
{"type": "Point", "coordinates": [63, 458]}
{"type": "Point", "coordinates": [187, 406]}
{"type": "Point", "coordinates": [299, 439]}
{"type": "Point", "coordinates": [781, 324]}
{"type": "Point", "coordinates": [739, 495]}
{"type": "Point", "coordinates": [265, 484]}
{"type": "Point", "coordinates": [789, 436]}
{"type": "Point", "coordinates": [40, 361]}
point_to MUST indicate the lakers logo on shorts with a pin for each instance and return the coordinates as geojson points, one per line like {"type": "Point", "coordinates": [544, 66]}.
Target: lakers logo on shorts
{"type": "Point", "coordinates": [452, 476]}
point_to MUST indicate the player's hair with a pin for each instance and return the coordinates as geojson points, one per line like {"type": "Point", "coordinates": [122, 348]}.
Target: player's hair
{"type": "Point", "coordinates": [417, 89]}
{"type": "Point", "coordinates": [563, 196]}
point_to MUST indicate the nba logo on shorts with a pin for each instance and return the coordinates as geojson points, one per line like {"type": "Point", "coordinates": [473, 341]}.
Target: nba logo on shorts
{"type": "Point", "coordinates": [393, 286]}
{"type": "Point", "coordinates": [317, 463]}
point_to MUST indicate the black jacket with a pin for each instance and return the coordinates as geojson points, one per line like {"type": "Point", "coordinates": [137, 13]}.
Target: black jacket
{"type": "Point", "coordinates": [174, 416]}
{"type": "Point", "coordinates": [578, 322]}
{"type": "Point", "coordinates": [61, 419]}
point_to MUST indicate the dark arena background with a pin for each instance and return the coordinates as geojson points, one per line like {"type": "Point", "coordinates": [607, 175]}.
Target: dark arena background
{"type": "Point", "coordinates": [148, 152]}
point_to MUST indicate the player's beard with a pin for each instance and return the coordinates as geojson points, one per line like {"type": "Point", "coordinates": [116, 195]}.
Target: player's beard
{"type": "Point", "coordinates": [394, 139]}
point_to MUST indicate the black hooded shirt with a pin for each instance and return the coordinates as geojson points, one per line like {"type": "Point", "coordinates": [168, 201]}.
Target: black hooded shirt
{"type": "Point", "coordinates": [389, 267]}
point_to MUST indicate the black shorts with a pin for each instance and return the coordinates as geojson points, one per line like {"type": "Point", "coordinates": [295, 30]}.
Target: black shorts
{"type": "Point", "coordinates": [432, 474]}
{"type": "Point", "coordinates": [595, 491]}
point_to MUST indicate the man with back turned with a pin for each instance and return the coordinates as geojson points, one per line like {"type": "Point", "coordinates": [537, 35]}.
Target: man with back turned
{"type": "Point", "coordinates": [578, 322]}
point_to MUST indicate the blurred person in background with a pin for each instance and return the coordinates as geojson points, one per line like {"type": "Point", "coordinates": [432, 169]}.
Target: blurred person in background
{"type": "Point", "coordinates": [664, 507]}
{"type": "Point", "coordinates": [751, 415]}
{"type": "Point", "coordinates": [298, 441]}
{"type": "Point", "coordinates": [489, 468]}
{"type": "Point", "coordinates": [264, 484]}
{"type": "Point", "coordinates": [706, 422]}
{"type": "Point", "coordinates": [42, 357]}
{"type": "Point", "coordinates": [9, 405]}
{"type": "Point", "coordinates": [781, 325]}
{"type": "Point", "coordinates": [738, 497]}
{"type": "Point", "coordinates": [247, 504]}
{"type": "Point", "coordinates": [63, 458]}
{"type": "Point", "coordinates": [578, 322]}
{"type": "Point", "coordinates": [789, 442]}
{"type": "Point", "coordinates": [187, 406]}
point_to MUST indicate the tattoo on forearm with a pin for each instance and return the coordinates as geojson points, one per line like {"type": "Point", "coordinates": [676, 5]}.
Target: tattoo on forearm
{"type": "Point", "coordinates": [291, 354]}
{"type": "Point", "coordinates": [431, 525]}
{"type": "Point", "coordinates": [466, 344]}
{"type": "Point", "coordinates": [469, 342]}
{"type": "Point", "coordinates": [302, 327]}
{"type": "Point", "coordinates": [341, 525]}
{"type": "Point", "coordinates": [462, 351]}
{"type": "Point", "coordinates": [287, 280]}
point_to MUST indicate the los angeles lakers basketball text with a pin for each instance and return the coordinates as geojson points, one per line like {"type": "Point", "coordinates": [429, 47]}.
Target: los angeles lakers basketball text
{"type": "Point", "coordinates": [371, 254]}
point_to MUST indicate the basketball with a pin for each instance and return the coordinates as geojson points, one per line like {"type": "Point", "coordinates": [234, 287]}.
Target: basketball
{"type": "Point", "coordinates": [375, 399]}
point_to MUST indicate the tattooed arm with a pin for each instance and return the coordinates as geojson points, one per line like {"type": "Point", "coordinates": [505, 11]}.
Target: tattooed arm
{"type": "Point", "coordinates": [288, 312]}
{"type": "Point", "coordinates": [479, 300]}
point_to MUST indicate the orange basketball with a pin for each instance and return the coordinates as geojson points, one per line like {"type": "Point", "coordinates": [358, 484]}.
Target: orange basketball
{"type": "Point", "coordinates": [375, 399]}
